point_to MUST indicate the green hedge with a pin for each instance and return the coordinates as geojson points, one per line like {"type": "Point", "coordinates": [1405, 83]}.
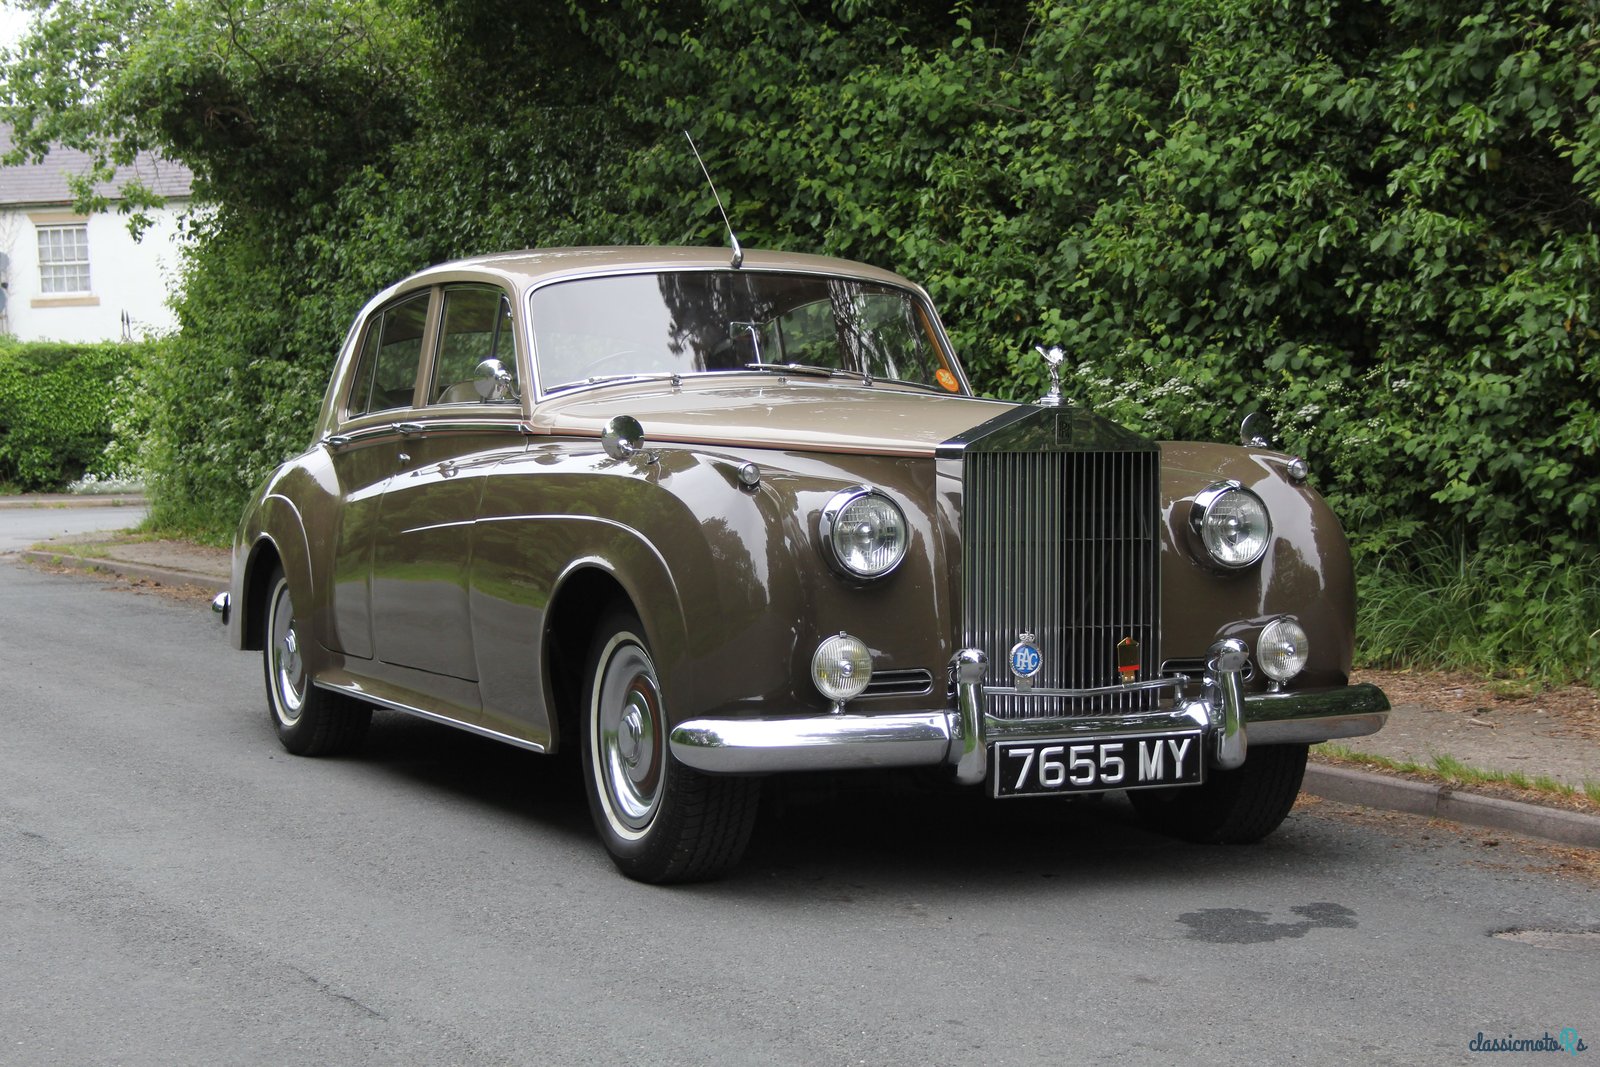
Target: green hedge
{"type": "Point", "coordinates": [1381, 220]}
{"type": "Point", "coordinates": [58, 407]}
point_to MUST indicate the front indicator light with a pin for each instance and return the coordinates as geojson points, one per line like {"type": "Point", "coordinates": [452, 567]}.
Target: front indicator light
{"type": "Point", "coordinates": [841, 668]}
{"type": "Point", "coordinates": [1283, 649]}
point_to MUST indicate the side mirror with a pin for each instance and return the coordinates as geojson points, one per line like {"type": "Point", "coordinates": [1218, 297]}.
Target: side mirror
{"type": "Point", "coordinates": [1255, 428]}
{"type": "Point", "coordinates": [493, 381]}
{"type": "Point", "coordinates": [623, 437]}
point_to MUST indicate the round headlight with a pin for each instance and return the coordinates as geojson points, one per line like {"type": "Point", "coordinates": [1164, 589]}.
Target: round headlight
{"type": "Point", "coordinates": [841, 667]}
{"type": "Point", "coordinates": [863, 533]}
{"type": "Point", "coordinates": [1283, 649]}
{"type": "Point", "coordinates": [1231, 523]}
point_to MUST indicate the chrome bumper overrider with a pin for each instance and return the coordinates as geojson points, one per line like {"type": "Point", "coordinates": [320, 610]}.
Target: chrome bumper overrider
{"type": "Point", "coordinates": [960, 737]}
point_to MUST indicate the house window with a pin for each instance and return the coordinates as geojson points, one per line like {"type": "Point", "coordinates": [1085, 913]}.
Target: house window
{"type": "Point", "coordinates": [64, 259]}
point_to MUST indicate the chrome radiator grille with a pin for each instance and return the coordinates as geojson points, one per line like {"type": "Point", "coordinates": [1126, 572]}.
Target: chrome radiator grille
{"type": "Point", "coordinates": [1064, 545]}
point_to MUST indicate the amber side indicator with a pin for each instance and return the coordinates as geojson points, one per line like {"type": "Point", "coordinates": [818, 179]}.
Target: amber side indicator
{"type": "Point", "coordinates": [1128, 660]}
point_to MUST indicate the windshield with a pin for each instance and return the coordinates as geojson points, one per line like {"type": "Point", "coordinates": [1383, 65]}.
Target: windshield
{"type": "Point", "coordinates": [685, 322]}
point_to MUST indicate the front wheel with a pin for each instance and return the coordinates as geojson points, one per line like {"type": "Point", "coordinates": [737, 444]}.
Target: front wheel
{"type": "Point", "coordinates": [659, 820]}
{"type": "Point", "coordinates": [309, 721]}
{"type": "Point", "coordinates": [1236, 807]}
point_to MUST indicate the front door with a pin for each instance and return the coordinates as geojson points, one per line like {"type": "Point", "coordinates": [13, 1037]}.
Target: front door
{"type": "Point", "coordinates": [421, 560]}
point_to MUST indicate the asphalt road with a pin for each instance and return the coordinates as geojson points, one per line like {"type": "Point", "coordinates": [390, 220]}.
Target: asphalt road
{"type": "Point", "coordinates": [176, 889]}
{"type": "Point", "coordinates": [23, 527]}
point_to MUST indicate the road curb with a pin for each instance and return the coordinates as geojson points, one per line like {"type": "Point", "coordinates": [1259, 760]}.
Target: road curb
{"type": "Point", "coordinates": [46, 502]}
{"type": "Point", "coordinates": [1444, 802]}
{"type": "Point", "coordinates": [136, 571]}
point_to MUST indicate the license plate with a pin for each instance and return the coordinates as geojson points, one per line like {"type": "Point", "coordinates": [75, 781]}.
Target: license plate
{"type": "Point", "coordinates": [1053, 768]}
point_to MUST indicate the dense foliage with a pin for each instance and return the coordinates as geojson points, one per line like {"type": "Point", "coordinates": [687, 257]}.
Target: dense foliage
{"type": "Point", "coordinates": [1378, 219]}
{"type": "Point", "coordinates": [59, 405]}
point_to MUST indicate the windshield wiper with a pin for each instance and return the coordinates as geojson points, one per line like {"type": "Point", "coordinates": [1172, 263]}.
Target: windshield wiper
{"type": "Point", "coordinates": [810, 370]}
{"type": "Point", "coordinates": [792, 368]}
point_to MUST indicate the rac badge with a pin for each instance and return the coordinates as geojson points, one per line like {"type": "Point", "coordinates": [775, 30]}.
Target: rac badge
{"type": "Point", "coordinates": [1025, 661]}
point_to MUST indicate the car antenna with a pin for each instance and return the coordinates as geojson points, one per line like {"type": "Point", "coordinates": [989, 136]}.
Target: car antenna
{"type": "Point", "coordinates": [738, 253]}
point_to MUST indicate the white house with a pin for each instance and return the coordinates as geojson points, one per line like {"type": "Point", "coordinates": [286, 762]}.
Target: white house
{"type": "Point", "coordinates": [71, 277]}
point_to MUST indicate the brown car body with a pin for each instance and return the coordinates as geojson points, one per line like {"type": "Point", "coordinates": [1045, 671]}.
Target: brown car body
{"type": "Point", "coordinates": [457, 559]}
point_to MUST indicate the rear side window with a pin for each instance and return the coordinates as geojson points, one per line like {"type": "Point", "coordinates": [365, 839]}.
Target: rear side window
{"type": "Point", "coordinates": [476, 327]}
{"type": "Point", "coordinates": [386, 372]}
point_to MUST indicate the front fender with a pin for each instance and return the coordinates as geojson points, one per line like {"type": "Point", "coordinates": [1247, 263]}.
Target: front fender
{"type": "Point", "coordinates": [1306, 573]}
{"type": "Point", "coordinates": [272, 530]}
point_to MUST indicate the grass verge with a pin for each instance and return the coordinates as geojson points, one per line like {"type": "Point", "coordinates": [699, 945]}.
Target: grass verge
{"type": "Point", "coordinates": [1447, 770]}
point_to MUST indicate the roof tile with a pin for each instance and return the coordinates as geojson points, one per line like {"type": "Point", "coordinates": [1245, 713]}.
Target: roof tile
{"type": "Point", "coordinates": [45, 182]}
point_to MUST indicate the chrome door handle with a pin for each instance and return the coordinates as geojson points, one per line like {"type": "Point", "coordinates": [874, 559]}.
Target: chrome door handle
{"type": "Point", "coordinates": [408, 428]}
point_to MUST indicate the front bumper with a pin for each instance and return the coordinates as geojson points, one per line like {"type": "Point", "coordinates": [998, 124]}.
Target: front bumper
{"type": "Point", "coordinates": [960, 737]}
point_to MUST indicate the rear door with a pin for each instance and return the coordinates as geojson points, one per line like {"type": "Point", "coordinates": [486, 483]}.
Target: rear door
{"type": "Point", "coordinates": [367, 452]}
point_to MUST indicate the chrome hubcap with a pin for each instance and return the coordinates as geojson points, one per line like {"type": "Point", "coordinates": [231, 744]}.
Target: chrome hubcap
{"type": "Point", "coordinates": [288, 670]}
{"type": "Point", "coordinates": [629, 754]}
{"type": "Point", "coordinates": [630, 736]}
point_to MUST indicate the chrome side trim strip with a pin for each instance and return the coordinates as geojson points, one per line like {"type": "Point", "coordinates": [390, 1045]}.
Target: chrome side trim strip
{"type": "Point", "coordinates": [394, 705]}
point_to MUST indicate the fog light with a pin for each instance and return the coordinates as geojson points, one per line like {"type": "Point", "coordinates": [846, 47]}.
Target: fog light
{"type": "Point", "coordinates": [1283, 649]}
{"type": "Point", "coordinates": [841, 668]}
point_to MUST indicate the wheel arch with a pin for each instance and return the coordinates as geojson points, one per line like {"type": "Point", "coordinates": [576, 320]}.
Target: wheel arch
{"type": "Point", "coordinates": [583, 596]}
{"type": "Point", "coordinates": [263, 560]}
{"type": "Point", "coordinates": [281, 541]}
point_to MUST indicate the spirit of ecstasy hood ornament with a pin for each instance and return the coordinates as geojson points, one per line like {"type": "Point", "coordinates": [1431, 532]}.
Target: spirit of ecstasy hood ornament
{"type": "Point", "coordinates": [1052, 358]}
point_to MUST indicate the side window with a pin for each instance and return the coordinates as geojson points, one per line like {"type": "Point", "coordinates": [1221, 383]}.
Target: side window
{"type": "Point", "coordinates": [476, 327]}
{"type": "Point", "coordinates": [386, 371]}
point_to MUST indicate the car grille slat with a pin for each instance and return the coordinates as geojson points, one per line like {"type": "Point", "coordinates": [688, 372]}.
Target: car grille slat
{"type": "Point", "coordinates": [1064, 545]}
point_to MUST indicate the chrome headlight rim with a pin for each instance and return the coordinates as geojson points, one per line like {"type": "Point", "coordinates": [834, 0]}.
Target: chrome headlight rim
{"type": "Point", "coordinates": [1200, 514]}
{"type": "Point", "coordinates": [829, 528]}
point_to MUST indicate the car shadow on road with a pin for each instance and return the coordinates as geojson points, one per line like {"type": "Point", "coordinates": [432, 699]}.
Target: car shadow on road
{"type": "Point", "coordinates": [914, 829]}
{"type": "Point", "coordinates": [817, 830]}
{"type": "Point", "coordinates": [498, 776]}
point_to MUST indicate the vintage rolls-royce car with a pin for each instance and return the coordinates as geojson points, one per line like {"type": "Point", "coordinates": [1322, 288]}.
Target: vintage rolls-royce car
{"type": "Point", "coordinates": [705, 520]}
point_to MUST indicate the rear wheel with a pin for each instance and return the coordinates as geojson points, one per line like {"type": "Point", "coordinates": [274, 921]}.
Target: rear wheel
{"type": "Point", "coordinates": [659, 820]}
{"type": "Point", "coordinates": [309, 721]}
{"type": "Point", "coordinates": [1234, 807]}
